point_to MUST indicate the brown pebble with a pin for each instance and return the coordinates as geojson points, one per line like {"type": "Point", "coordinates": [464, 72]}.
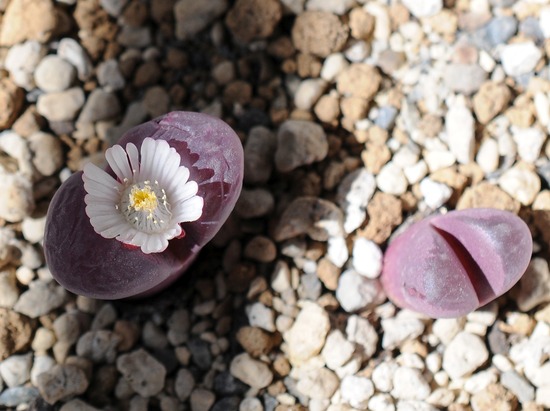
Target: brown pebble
{"type": "Point", "coordinates": [487, 195]}
{"type": "Point", "coordinates": [255, 341]}
{"type": "Point", "coordinates": [328, 273]}
{"type": "Point", "coordinates": [261, 249]}
{"type": "Point", "coordinates": [360, 80]}
{"type": "Point", "coordinates": [385, 213]}
{"type": "Point", "coordinates": [128, 332]}
{"type": "Point", "coordinates": [494, 397]}
{"type": "Point", "coordinates": [490, 100]}
{"type": "Point", "coordinates": [312, 25]}
{"type": "Point", "coordinates": [253, 19]}
{"type": "Point", "coordinates": [11, 102]}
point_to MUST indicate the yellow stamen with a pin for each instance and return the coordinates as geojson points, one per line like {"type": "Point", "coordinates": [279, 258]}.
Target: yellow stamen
{"type": "Point", "coordinates": [143, 199]}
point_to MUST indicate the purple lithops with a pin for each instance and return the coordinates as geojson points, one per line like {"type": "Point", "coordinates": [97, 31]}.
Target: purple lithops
{"type": "Point", "coordinates": [448, 265]}
{"type": "Point", "coordinates": [134, 228]}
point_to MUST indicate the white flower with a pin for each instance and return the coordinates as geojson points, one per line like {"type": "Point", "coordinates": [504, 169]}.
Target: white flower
{"type": "Point", "coordinates": [149, 199]}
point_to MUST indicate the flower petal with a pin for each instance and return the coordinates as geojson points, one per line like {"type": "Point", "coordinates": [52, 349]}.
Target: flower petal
{"type": "Point", "coordinates": [189, 210]}
{"type": "Point", "coordinates": [118, 160]}
{"type": "Point", "coordinates": [133, 155]}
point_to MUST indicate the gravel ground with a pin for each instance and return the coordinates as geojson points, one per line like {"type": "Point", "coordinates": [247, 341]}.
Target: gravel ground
{"type": "Point", "coordinates": [356, 117]}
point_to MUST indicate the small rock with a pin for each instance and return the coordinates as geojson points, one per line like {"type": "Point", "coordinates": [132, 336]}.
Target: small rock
{"type": "Point", "coordinates": [15, 332]}
{"type": "Point", "coordinates": [459, 124]}
{"type": "Point", "coordinates": [425, 8]}
{"type": "Point", "coordinates": [69, 49]}
{"type": "Point", "coordinates": [13, 397]}
{"type": "Point", "coordinates": [410, 384]}
{"type": "Point", "coordinates": [319, 383]}
{"type": "Point", "coordinates": [367, 258]}
{"type": "Point", "coordinates": [385, 213]}
{"type": "Point", "coordinates": [491, 99]}
{"type": "Point", "coordinates": [28, 20]}
{"type": "Point", "coordinates": [356, 391]}
{"type": "Point", "coordinates": [391, 179]}
{"type": "Point", "coordinates": [400, 329]}
{"type": "Point", "coordinates": [251, 404]}
{"type": "Point", "coordinates": [54, 74]}
{"type": "Point", "coordinates": [135, 37]}
{"type": "Point", "coordinates": [382, 375]}
{"type": "Point", "coordinates": [519, 58]}
{"type": "Point", "coordinates": [100, 105]}
{"type": "Point", "coordinates": [250, 371]}
{"type": "Point", "coordinates": [261, 316]}
{"type": "Point", "coordinates": [255, 341]}
{"type": "Point", "coordinates": [494, 397]}
{"type": "Point", "coordinates": [11, 102]}
{"type": "Point", "coordinates": [359, 330]}
{"type": "Point", "coordinates": [41, 298]}
{"type": "Point", "coordinates": [435, 194]}
{"type": "Point", "coordinates": [16, 370]}
{"type": "Point", "coordinates": [464, 354]}
{"type": "Point", "coordinates": [308, 93]}
{"type": "Point", "coordinates": [202, 400]}
{"type": "Point", "coordinates": [521, 183]}
{"type": "Point", "coordinates": [359, 80]}
{"type": "Point", "coordinates": [47, 153]}
{"type": "Point", "coordinates": [9, 293]}
{"type": "Point", "coordinates": [226, 384]}
{"type": "Point", "coordinates": [299, 143]}
{"type": "Point", "coordinates": [109, 75]}
{"type": "Point", "coordinates": [353, 195]}
{"type": "Point", "coordinates": [200, 353]}
{"type": "Point", "coordinates": [487, 156]}
{"type": "Point", "coordinates": [41, 364]}
{"type": "Point", "coordinates": [184, 384]}
{"type": "Point", "coordinates": [356, 292]}
{"type": "Point", "coordinates": [258, 155]}
{"type": "Point", "coordinates": [337, 350]}
{"type": "Point", "coordinates": [464, 78]}
{"type": "Point", "coordinates": [60, 382]}
{"type": "Point", "coordinates": [253, 19]}
{"type": "Point", "coordinates": [178, 327]}
{"type": "Point", "coordinates": [98, 346]}
{"type": "Point", "coordinates": [534, 286]}
{"type": "Point", "coordinates": [61, 106]}
{"type": "Point", "coordinates": [143, 372]}
{"type": "Point", "coordinates": [261, 249]}
{"type": "Point", "coordinates": [307, 335]}
{"type": "Point", "coordinates": [192, 17]}
{"type": "Point", "coordinates": [318, 218]}
{"type": "Point", "coordinates": [517, 385]}
{"type": "Point", "coordinates": [21, 61]}
{"type": "Point", "coordinates": [333, 65]}
{"type": "Point", "coordinates": [312, 25]}
{"type": "Point", "coordinates": [542, 398]}
{"type": "Point", "coordinates": [529, 142]}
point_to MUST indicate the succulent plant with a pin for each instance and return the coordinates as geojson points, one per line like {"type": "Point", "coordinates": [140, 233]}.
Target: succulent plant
{"type": "Point", "coordinates": [134, 228]}
{"type": "Point", "coordinates": [448, 265]}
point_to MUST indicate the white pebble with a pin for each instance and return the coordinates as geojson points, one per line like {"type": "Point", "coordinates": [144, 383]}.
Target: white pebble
{"type": "Point", "coordinates": [308, 93]}
{"type": "Point", "coordinates": [460, 126]}
{"type": "Point", "coordinates": [337, 350]}
{"type": "Point", "coordinates": [519, 58]}
{"type": "Point", "coordinates": [391, 179]}
{"type": "Point", "coordinates": [261, 316]}
{"type": "Point", "coordinates": [356, 391]}
{"type": "Point", "coordinates": [521, 183]}
{"type": "Point", "coordinates": [333, 66]}
{"type": "Point", "coordinates": [337, 251]}
{"type": "Point", "coordinates": [529, 142]}
{"type": "Point", "coordinates": [464, 354]}
{"type": "Point", "coordinates": [410, 384]}
{"type": "Point", "coordinates": [487, 156]}
{"type": "Point", "coordinates": [416, 172]}
{"type": "Point", "coordinates": [435, 194]}
{"type": "Point", "coordinates": [367, 257]}
{"type": "Point", "coordinates": [423, 8]}
{"type": "Point", "coordinates": [355, 292]}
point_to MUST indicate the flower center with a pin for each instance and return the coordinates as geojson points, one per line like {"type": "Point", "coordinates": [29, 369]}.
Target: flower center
{"type": "Point", "coordinates": [145, 207]}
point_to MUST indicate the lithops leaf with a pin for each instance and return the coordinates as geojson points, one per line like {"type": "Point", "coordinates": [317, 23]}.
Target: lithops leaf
{"type": "Point", "coordinates": [449, 265]}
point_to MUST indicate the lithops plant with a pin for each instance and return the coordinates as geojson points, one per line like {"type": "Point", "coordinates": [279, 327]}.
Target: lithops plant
{"type": "Point", "coordinates": [135, 227]}
{"type": "Point", "coordinates": [450, 264]}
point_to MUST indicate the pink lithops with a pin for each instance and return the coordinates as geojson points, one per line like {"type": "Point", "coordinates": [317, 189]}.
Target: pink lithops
{"type": "Point", "coordinates": [448, 265]}
{"type": "Point", "coordinates": [135, 227]}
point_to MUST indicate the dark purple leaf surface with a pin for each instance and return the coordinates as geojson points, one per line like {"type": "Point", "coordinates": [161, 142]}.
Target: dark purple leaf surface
{"type": "Point", "coordinates": [449, 265]}
{"type": "Point", "coordinates": [88, 264]}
